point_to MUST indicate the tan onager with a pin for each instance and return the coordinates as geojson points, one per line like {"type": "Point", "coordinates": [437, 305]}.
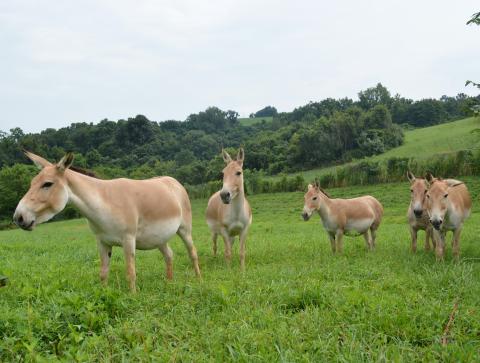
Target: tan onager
{"type": "Point", "coordinates": [448, 206]}
{"type": "Point", "coordinates": [417, 211]}
{"type": "Point", "coordinates": [228, 212]}
{"type": "Point", "coordinates": [344, 216]}
{"type": "Point", "coordinates": [132, 214]}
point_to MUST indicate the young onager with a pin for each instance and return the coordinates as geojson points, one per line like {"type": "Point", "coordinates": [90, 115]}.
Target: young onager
{"type": "Point", "coordinates": [417, 211]}
{"type": "Point", "coordinates": [448, 206]}
{"type": "Point", "coordinates": [133, 214]}
{"type": "Point", "coordinates": [228, 212]}
{"type": "Point", "coordinates": [344, 216]}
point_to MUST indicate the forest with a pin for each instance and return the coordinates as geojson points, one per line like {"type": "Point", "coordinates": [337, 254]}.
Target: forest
{"type": "Point", "coordinates": [327, 132]}
{"type": "Point", "coordinates": [323, 133]}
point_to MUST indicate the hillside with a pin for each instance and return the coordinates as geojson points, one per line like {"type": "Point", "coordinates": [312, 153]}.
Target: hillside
{"type": "Point", "coordinates": [423, 143]}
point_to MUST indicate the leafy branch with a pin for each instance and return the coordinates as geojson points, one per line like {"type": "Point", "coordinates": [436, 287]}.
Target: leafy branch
{"type": "Point", "coordinates": [475, 19]}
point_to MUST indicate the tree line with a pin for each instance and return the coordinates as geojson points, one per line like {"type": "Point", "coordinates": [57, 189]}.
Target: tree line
{"type": "Point", "coordinates": [316, 134]}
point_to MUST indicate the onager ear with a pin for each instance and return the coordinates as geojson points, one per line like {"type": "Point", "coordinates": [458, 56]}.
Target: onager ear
{"type": "Point", "coordinates": [429, 178]}
{"type": "Point", "coordinates": [226, 156]}
{"type": "Point", "coordinates": [453, 183]}
{"type": "Point", "coordinates": [65, 162]}
{"type": "Point", "coordinates": [37, 160]}
{"type": "Point", "coordinates": [310, 186]}
{"type": "Point", "coordinates": [241, 155]}
{"type": "Point", "coordinates": [410, 176]}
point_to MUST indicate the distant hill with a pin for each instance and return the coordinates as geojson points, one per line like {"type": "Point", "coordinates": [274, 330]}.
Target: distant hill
{"type": "Point", "coordinates": [423, 143]}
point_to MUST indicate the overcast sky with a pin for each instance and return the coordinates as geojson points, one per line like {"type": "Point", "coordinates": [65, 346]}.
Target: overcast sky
{"type": "Point", "coordinates": [65, 61]}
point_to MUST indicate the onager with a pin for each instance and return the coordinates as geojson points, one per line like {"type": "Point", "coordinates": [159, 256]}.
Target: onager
{"type": "Point", "coordinates": [133, 214]}
{"type": "Point", "coordinates": [417, 211]}
{"type": "Point", "coordinates": [228, 212]}
{"type": "Point", "coordinates": [448, 206]}
{"type": "Point", "coordinates": [344, 216]}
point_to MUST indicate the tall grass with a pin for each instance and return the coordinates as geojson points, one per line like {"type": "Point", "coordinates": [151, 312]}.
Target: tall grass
{"type": "Point", "coordinates": [296, 301]}
{"type": "Point", "coordinates": [464, 162]}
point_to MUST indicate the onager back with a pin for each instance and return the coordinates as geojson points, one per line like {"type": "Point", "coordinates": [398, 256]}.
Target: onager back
{"type": "Point", "coordinates": [133, 214]}
{"type": "Point", "coordinates": [344, 216]}
{"type": "Point", "coordinates": [448, 206]}
{"type": "Point", "coordinates": [417, 211]}
{"type": "Point", "coordinates": [228, 212]}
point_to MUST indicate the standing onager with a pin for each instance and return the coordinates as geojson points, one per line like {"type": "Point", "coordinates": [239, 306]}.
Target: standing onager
{"type": "Point", "coordinates": [133, 214]}
{"type": "Point", "coordinates": [448, 205]}
{"type": "Point", "coordinates": [344, 216]}
{"type": "Point", "coordinates": [228, 212]}
{"type": "Point", "coordinates": [417, 211]}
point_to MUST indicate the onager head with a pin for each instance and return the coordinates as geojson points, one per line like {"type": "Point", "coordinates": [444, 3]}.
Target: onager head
{"type": "Point", "coordinates": [48, 193]}
{"type": "Point", "coordinates": [418, 192]}
{"type": "Point", "coordinates": [437, 199]}
{"type": "Point", "coordinates": [313, 200]}
{"type": "Point", "coordinates": [232, 176]}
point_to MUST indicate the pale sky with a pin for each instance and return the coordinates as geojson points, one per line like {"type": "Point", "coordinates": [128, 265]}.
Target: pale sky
{"type": "Point", "coordinates": [65, 61]}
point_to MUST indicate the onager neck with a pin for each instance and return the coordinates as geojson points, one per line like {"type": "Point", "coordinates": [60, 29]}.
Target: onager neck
{"type": "Point", "coordinates": [325, 206]}
{"type": "Point", "coordinates": [238, 203]}
{"type": "Point", "coordinates": [84, 194]}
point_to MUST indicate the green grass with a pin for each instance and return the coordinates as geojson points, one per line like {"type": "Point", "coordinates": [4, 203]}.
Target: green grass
{"type": "Point", "coordinates": [296, 301]}
{"type": "Point", "coordinates": [424, 143]}
{"type": "Point", "coordinates": [247, 121]}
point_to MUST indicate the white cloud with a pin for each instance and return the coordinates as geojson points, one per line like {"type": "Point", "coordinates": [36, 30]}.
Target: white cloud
{"type": "Point", "coordinates": [65, 61]}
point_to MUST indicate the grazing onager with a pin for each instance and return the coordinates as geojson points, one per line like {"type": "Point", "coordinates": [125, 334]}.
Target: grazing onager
{"type": "Point", "coordinates": [228, 212]}
{"type": "Point", "coordinates": [417, 211]}
{"type": "Point", "coordinates": [133, 214]}
{"type": "Point", "coordinates": [344, 216]}
{"type": "Point", "coordinates": [448, 206]}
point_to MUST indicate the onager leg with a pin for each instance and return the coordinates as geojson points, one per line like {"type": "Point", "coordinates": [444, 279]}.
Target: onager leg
{"type": "Point", "coordinates": [332, 241]}
{"type": "Point", "coordinates": [373, 238]}
{"type": "Point", "coordinates": [105, 252]}
{"type": "Point", "coordinates": [413, 233]}
{"type": "Point", "coordinates": [432, 238]}
{"type": "Point", "coordinates": [228, 246]}
{"type": "Point", "coordinates": [168, 257]}
{"type": "Point", "coordinates": [456, 243]}
{"type": "Point", "coordinates": [214, 240]}
{"type": "Point", "coordinates": [440, 244]}
{"type": "Point", "coordinates": [243, 239]}
{"type": "Point", "coordinates": [129, 252]}
{"type": "Point", "coordinates": [339, 239]}
{"type": "Point", "coordinates": [368, 241]}
{"type": "Point", "coordinates": [192, 251]}
{"type": "Point", "coordinates": [427, 239]}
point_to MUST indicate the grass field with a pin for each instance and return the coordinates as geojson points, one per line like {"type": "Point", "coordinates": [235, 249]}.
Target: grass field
{"type": "Point", "coordinates": [247, 121]}
{"type": "Point", "coordinates": [296, 301]}
{"type": "Point", "coordinates": [424, 143]}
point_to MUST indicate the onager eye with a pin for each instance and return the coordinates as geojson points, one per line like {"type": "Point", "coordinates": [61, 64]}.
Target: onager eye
{"type": "Point", "coordinates": [47, 185]}
{"type": "Point", "coordinates": [238, 173]}
{"type": "Point", "coordinates": [314, 198]}
{"type": "Point", "coordinates": [411, 190]}
{"type": "Point", "coordinates": [446, 195]}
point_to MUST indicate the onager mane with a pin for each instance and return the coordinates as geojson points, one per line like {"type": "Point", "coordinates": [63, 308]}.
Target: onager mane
{"type": "Point", "coordinates": [84, 171]}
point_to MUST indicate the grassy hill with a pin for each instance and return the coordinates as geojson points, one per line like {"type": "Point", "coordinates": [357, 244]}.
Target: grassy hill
{"type": "Point", "coordinates": [296, 301]}
{"type": "Point", "coordinates": [425, 142]}
{"type": "Point", "coordinates": [247, 121]}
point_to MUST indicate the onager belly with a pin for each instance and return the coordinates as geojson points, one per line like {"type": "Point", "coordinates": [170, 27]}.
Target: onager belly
{"type": "Point", "coordinates": [154, 234]}
{"type": "Point", "coordinates": [358, 226]}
